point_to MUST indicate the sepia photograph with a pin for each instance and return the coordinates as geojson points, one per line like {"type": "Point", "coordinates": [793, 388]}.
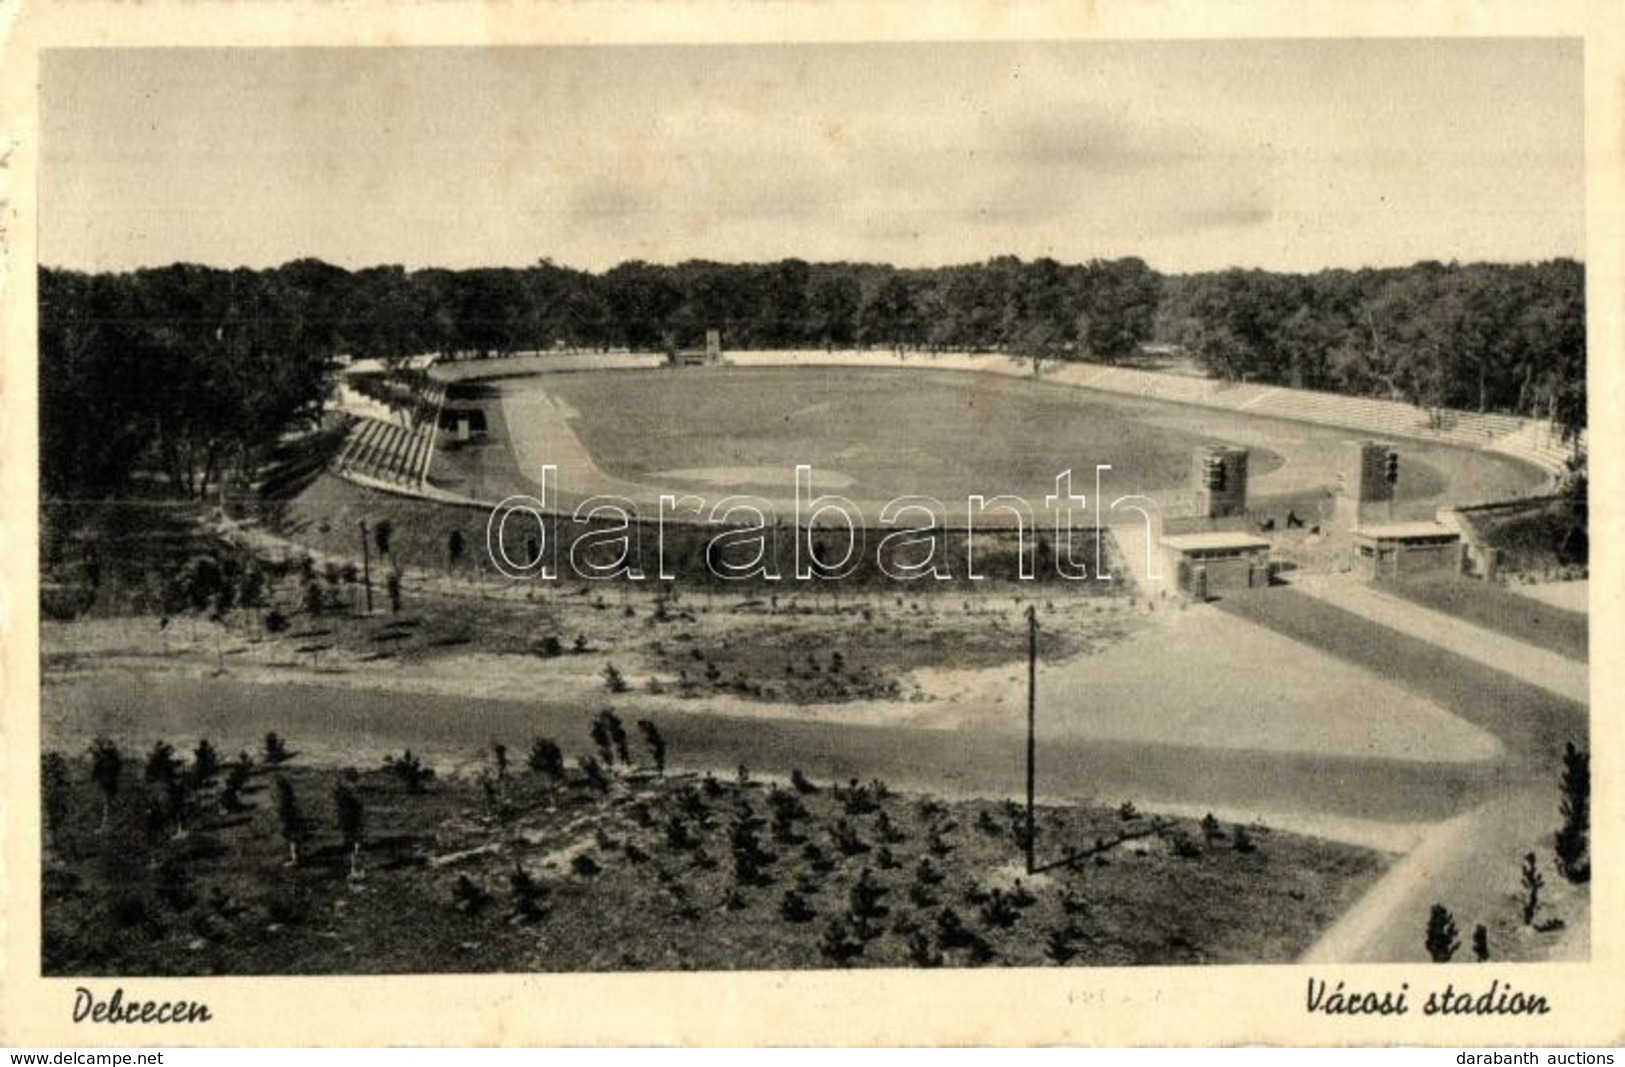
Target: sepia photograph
{"type": "Point", "coordinates": [778, 507]}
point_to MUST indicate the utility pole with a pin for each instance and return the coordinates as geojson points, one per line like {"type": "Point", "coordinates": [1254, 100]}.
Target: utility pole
{"type": "Point", "coordinates": [1032, 735]}
{"type": "Point", "coordinates": [366, 563]}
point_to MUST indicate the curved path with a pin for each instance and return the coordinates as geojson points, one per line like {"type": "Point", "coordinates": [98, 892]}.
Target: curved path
{"type": "Point", "coordinates": [1532, 701]}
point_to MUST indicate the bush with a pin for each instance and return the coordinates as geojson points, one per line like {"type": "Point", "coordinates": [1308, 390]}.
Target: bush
{"type": "Point", "coordinates": [231, 796]}
{"type": "Point", "coordinates": [56, 795]}
{"type": "Point", "coordinates": [1532, 882]}
{"type": "Point", "coordinates": [794, 908]}
{"type": "Point", "coordinates": [1185, 847]}
{"type": "Point", "coordinates": [865, 896]}
{"type": "Point", "coordinates": [162, 763]}
{"type": "Point", "coordinates": [656, 743]}
{"type": "Point", "coordinates": [610, 736]}
{"type": "Point", "coordinates": [801, 782]}
{"type": "Point", "coordinates": [845, 838]}
{"type": "Point", "coordinates": [546, 759]}
{"type": "Point", "coordinates": [1061, 946]}
{"type": "Point", "coordinates": [350, 815]}
{"type": "Point", "coordinates": [922, 952]}
{"type": "Point", "coordinates": [294, 827]}
{"type": "Point", "coordinates": [409, 769]}
{"type": "Point", "coordinates": [106, 769]}
{"type": "Point", "coordinates": [593, 771]}
{"type": "Point", "coordinates": [205, 763]}
{"type": "Point", "coordinates": [529, 896]}
{"type": "Point", "coordinates": [677, 835]}
{"type": "Point", "coordinates": [841, 944]}
{"type": "Point", "coordinates": [998, 910]}
{"type": "Point", "coordinates": [1442, 940]}
{"type": "Point", "coordinates": [276, 750]}
{"type": "Point", "coordinates": [614, 680]}
{"type": "Point", "coordinates": [1573, 844]}
{"type": "Point", "coordinates": [467, 897]}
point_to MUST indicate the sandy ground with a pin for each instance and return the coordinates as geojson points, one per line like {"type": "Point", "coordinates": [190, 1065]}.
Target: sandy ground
{"type": "Point", "coordinates": [1570, 596]}
{"type": "Point", "coordinates": [1202, 678]}
{"type": "Point", "coordinates": [1232, 685]}
{"type": "Point", "coordinates": [1450, 865]}
{"type": "Point", "coordinates": [1557, 674]}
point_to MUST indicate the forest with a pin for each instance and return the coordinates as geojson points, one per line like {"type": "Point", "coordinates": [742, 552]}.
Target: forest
{"type": "Point", "coordinates": [187, 374]}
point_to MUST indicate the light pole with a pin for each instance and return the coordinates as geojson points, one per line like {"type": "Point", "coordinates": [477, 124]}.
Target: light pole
{"type": "Point", "coordinates": [1032, 734]}
{"type": "Point", "coordinates": [366, 563]}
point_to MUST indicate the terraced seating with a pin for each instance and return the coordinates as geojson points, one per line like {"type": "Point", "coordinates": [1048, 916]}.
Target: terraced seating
{"type": "Point", "coordinates": [389, 452]}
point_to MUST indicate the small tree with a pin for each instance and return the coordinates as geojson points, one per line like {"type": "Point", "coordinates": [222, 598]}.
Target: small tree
{"type": "Point", "coordinates": [313, 599]}
{"type": "Point", "coordinates": [382, 531]}
{"type": "Point", "coordinates": [347, 808]}
{"type": "Point", "coordinates": [614, 680]}
{"type": "Point", "coordinates": [748, 855]}
{"type": "Point", "coordinates": [56, 797]}
{"type": "Point", "coordinates": [1210, 830]}
{"type": "Point", "coordinates": [231, 795]}
{"type": "Point", "coordinates": [1061, 945]}
{"type": "Point", "coordinates": [617, 735]}
{"type": "Point", "coordinates": [594, 773]}
{"type": "Point", "coordinates": [1442, 939]}
{"type": "Point", "coordinates": [410, 770]}
{"type": "Point", "coordinates": [529, 895]}
{"type": "Point", "coordinates": [177, 797]}
{"type": "Point", "coordinates": [1532, 881]}
{"type": "Point", "coordinates": [1573, 842]}
{"type": "Point", "coordinates": [162, 764]}
{"type": "Point", "coordinates": [467, 897]}
{"type": "Point", "coordinates": [499, 757]}
{"type": "Point", "coordinates": [276, 749]}
{"type": "Point", "coordinates": [794, 908]}
{"type": "Point", "coordinates": [392, 586]}
{"type": "Point", "coordinates": [656, 743]}
{"type": "Point", "coordinates": [922, 952]}
{"type": "Point", "coordinates": [546, 759]}
{"type": "Point", "coordinates": [251, 589]}
{"type": "Point", "coordinates": [205, 763]}
{"type": "Point", "coordinates": [841, 944]}
{"type": "Point", "coordinates": [601, 740]}
{"type": "Point", "coordinates": [294, 827]}
{"type": "Point", "coordinates": [1481, 943]}
{"type": "Point", "coordinates": [865, 896]}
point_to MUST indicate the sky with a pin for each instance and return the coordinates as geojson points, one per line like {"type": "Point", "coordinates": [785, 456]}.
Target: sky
{"type": "Point", "coordinates": [1286, 155]}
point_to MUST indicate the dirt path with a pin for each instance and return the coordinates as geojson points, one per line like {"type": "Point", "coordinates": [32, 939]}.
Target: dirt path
{"type": "Point", "coordinates": [1470, 862]}
{"type": "Point", "coordinates": [1471, 865]}
{"type": "Point", "coordinates": [1555, 673]}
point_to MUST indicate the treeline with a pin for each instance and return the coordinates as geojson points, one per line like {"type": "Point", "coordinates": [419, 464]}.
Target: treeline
{"type": "Point", "coordinates": [1480, 337]}
{"type": "Point", "coordinates": [180, 375]}
{"type": "Point", "coordinates": [188, 373]}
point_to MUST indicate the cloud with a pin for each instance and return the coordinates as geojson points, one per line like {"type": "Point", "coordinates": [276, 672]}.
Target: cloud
{"type": "Point", "coordinates": [1081, 142]}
